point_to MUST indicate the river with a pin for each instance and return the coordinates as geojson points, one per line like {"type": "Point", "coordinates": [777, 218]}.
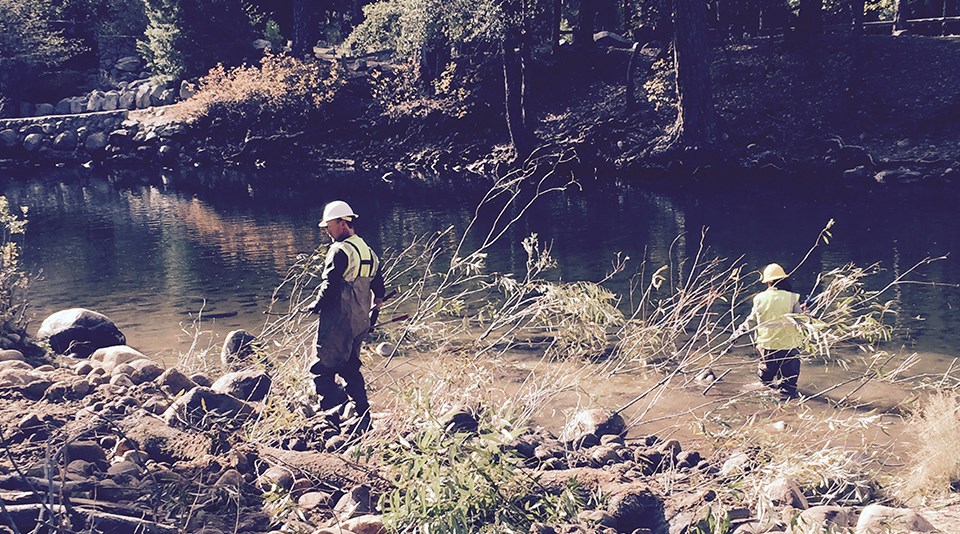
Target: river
{"type": "Point", "coordinates": [153, 256]}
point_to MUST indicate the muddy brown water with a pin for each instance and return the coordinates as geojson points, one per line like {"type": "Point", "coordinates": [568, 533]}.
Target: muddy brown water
{"type": "Point", "coordinates": [156, 257]}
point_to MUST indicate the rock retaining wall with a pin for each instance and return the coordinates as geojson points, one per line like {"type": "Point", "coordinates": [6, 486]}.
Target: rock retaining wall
{"type": "Point", "coordinates": [60, 138]}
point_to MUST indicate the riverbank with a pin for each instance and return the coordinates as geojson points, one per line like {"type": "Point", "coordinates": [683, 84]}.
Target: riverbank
{"type": "Point", "coordinates": [114, 443]}
{"type": "Point", "coordinates": [884, 112]}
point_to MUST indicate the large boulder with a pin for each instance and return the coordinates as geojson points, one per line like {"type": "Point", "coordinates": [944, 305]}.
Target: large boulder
{"type": "Point", "coordinates": [879, 519]}
{"type": "Point", "coordinates": [204, 408]}
{"type": "Point", "coordinates": [80, 331]}
{"type": "Point", "coordinates": [238, 348]}
{"type": "Point", "coordinates": [250, 385]}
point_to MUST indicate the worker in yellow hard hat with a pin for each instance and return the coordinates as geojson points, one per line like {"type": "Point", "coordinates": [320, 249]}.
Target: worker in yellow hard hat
{"type": "Point", "coordinates": [351, 285]}
{"type": "Point", "coordinates": [777, 336]}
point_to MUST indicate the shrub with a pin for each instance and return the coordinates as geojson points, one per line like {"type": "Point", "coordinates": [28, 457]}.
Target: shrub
{"type": "Point", "coordinates": [935, 461]}
{"type": "Point", "coordinates": [281, 91]}
{"type": "Point", "coordinates": [13, 281]}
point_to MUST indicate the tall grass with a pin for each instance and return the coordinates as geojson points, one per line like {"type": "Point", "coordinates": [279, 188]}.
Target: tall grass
{"type": "Point", "coordinates": [934, 462]}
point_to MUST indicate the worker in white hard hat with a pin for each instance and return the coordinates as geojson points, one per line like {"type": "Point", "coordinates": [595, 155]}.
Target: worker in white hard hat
{"type": "Point", "coordinates": [351, 286]}
{"type": "Point", "coordinates": [777, 336]}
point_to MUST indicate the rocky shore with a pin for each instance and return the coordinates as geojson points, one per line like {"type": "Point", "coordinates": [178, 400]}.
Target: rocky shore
{"type": "Point", "coordinates": [100, 438]}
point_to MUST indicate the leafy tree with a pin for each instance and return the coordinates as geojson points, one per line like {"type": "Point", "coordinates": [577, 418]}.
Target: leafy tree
{"type": "Point", "coordinates": [185, 38]}
{"type": "Point", "coordinates": [29, 42]}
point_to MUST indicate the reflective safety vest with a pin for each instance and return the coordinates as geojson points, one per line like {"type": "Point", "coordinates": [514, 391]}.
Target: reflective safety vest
{"type": "Point", "coordinates": [362, 262]}
{"type": "Point", "coordinates": [775, 329]}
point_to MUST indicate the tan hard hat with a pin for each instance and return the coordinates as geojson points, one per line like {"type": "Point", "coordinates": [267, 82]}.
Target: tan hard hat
{"type": "Point", "coordinates": [337, 209]}
{"type": "Point", "coordinates": [772, 273]}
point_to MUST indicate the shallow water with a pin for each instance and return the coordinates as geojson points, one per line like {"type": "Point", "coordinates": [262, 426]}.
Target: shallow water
{"type": "Point", "coordinates": [155, 258]}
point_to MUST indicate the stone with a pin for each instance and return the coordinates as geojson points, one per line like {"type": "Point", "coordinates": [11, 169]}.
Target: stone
{"type": "Point", "coordinates": [251, 385]}
{"type": "Point", "coordinates": [65, 141]}
{"type": "Point", "coordinates": [313, 500]}
{"type": "Point", "coordinates": [365, 524]}
{"type": "Point", "coordinates": [785, 492]}
{"type": "Point", "coordinates": [9, 138]}
{"type": "Point", "coordinates": [32, 142]}
{"type": "Point", "coordinates": [594, 423]}
{"type": "Point", "coordinates": [80, 331]}
{"type": "Point", "coordinates": [144, 370]}
{"type": "Point", "coordinates": [128, 64]}
{"type": "Point", "coordinates": [635, 506]}
{"type": "Point", "coordinates": [823, 519]}
{"type": "Point", "coordinates": [88, 451]}
{"type": "Point", "coordinates": [604, 455]}
{"type": "Point", "coordinates": [187, 90]}
{"type": "Point", "coordinates": [238, 347]}
{"type": "Point", "coordinates": [63, 106]}
{"type": "Point", "coordinates": [206, 409]}
{"type": "Point", "coordinates": [737, 464]}
{"type": "Point", "coordinates": [276, 476]}
{"type": "Point", "coordinates": [95, 101]}
{"type": "Point", "coordinates": [110, 357]}
{"type": "Point", "coordinates": [111, 100]}
{"type": "Point", "coordinates": [11, 356]}
{"type": "Point", "coordinates": [143, 97]}
{"type": "Point", "coordinates": [879, 519]}
{"type": "Point", "coordinates": [45, 109]}
{"type": "Point", "coordinates": [78, 105]}
{"type": "Point", "coordinates": [96, 141]}
{"type": "Point", "coordinates": [128, 100]}
{"type": "Point", "coordinates": [174, 382]}
{"type": "Point", "coordinates": [355, 502]}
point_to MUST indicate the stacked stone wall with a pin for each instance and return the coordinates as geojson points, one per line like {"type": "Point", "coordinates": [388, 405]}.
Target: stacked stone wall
{"type": "Point", "coordinates": [59, 138]}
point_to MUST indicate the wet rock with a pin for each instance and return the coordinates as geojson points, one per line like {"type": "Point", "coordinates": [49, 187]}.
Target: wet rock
{"type": "Point", "coordinates": [238, 347]}
{"type": "Point", "coordinates": [65, 141]}
{"type": "Point", "coordinates": [204, 408]}
{"type": "Point", "coordinates": [201, 380]}
{"type": "Point", "coordinates": [879, 519]}
{"type": "Point", "coordinates": [79, 331]}
{"type": "Point", "coordinates": [250, 385]}
{"type": "Point", "coordinates": [9, 138]}
{"type": "Point", "coordinates": [688, 459]}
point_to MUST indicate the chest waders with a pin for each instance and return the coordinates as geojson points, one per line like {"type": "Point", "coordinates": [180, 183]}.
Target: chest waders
{"type": "Point", "coordinates": [343, 326]}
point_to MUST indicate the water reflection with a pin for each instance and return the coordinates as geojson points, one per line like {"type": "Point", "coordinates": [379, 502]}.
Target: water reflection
{"type": "Point", "coordinates": [151, 256]}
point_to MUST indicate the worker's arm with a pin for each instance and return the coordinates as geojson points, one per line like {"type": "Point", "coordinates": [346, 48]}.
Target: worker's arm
{"type": "Point", "coordinates": [331, 281]}
{"type": "Point", "coordinates": [748, 324]}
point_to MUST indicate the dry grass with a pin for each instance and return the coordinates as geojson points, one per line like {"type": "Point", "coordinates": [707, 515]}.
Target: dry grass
{"type": "Point", "coordinates": [935, 462]}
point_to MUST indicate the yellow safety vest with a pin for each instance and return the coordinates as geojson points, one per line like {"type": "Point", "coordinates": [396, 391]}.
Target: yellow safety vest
{"type": "Point", "coordinates": [775, 329]}
{"type": "Point", "coordinates": [361, 260]}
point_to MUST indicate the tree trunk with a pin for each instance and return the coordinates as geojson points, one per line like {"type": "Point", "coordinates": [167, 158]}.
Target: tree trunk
{"type": "Point", "coordinates": [856, 16]}
{"type": "Point", "coordinates": [664, 28]}
{"type": "Point", "coordinates": [900, 15]}
{"type": "Point", "coordinates": [514, 53]}
{"type": "Point", "coordinates": [696, 122]}
{"type": "Point", "coordinates": [583, 34]}
{"type": "Point", "coordinates": [555, 30]}
{"type": "Point", "coordinates": [810, 20]}
{"type": "Point", "coordinates": [300, 39]}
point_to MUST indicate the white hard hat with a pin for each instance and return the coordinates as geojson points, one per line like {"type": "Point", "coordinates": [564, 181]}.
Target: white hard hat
{"type": "Point", "coordinates": [337, 209]}
{"type": "Point", "coordinates": [772, 273]}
